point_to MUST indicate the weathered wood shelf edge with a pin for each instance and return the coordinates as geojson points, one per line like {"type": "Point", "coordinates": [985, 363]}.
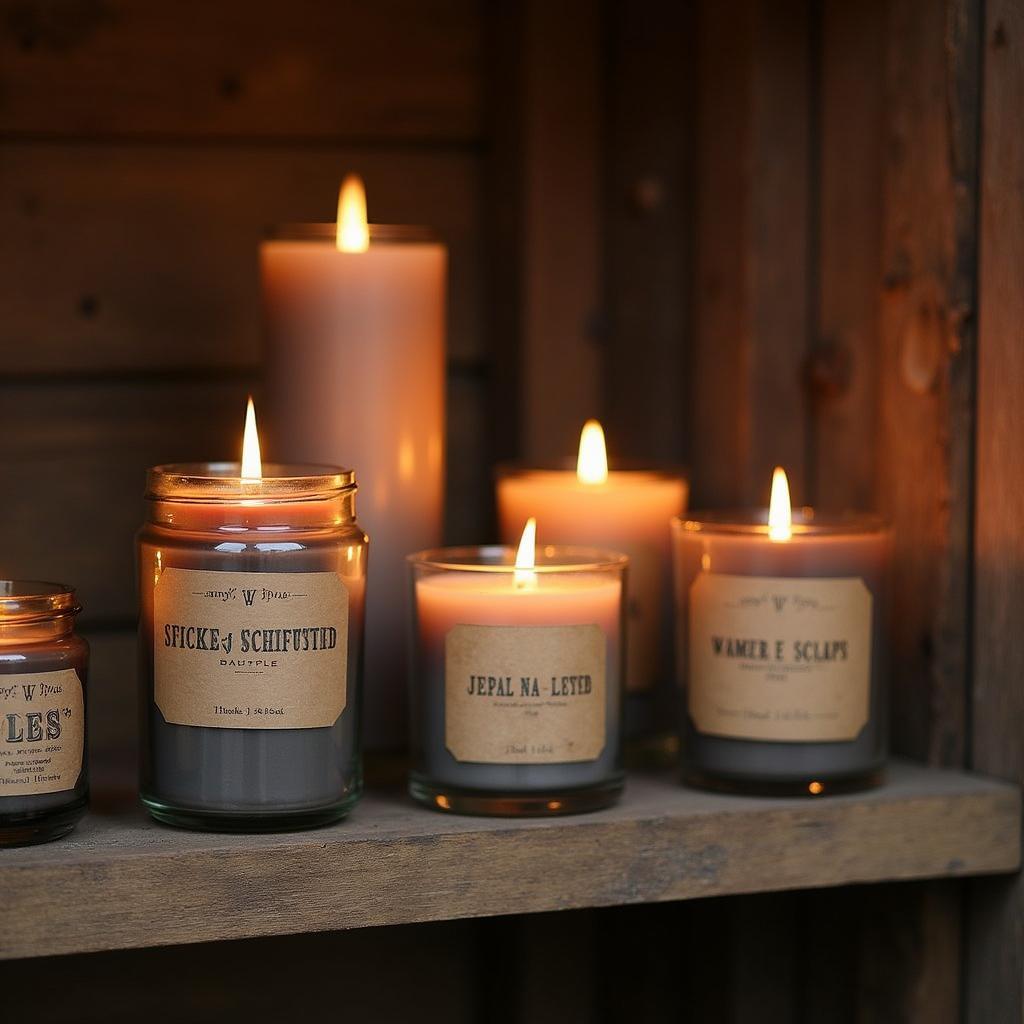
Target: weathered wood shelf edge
{"type": "Point", "coordinates": [122, 881]}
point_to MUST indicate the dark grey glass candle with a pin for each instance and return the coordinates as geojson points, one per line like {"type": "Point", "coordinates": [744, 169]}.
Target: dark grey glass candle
{"type": "Point", "coordinates": [251, 646]}
{"type": "Point", "coordinates": [516, 683]}
{"type": "Point", "coordinates": [44, 780]}
{"type": "Point", "coordinates": [782, 651]}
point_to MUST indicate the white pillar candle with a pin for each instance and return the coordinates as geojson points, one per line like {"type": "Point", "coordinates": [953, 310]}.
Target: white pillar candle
{"type": "Point", "coordinates": [355, 375]}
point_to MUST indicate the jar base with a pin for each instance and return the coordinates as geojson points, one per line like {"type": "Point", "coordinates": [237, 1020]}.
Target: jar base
{"type": "Point", "coordinates": [484, 803]}
{"type": "Point", "coordinates": [198, 820]}
{"type": "Point", "coordinates": [809, 786]}
{"type": "Point", "coordinates": [31, 829]}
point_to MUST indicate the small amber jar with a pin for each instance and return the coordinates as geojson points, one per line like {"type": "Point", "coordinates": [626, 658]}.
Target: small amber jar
{"type": "Point", "coordinates": [44, 780]}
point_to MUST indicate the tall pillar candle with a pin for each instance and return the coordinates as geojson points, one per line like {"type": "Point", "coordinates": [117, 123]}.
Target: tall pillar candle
{"type": "Point", "coordinates": [355, 375]}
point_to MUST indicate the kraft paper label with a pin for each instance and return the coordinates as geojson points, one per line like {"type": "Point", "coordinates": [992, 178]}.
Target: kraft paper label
{"type": "Point", "coordinates": [250, 650]}
{"type": "Point", "coordinates": [525, 694]}
{"type": "Point", "coordinates": [779, 658]}
{"type": "Point", "coordinates": [42, 732]}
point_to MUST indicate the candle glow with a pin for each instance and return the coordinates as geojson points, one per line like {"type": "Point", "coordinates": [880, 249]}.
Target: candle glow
{"type": "Point", "coordinates": [780, 513]}
{"type": "Point", "coordinates": [353, 233]}
{"type": "Point", "coordinates": [526, 557]}
{"type": "Point", "coordinates": [252, 464]}
{"type": "Point", "coordinates": [592, 460]}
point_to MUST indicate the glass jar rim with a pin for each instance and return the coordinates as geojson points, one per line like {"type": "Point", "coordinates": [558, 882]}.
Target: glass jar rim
{"type": "Point", "coordinates": [223, 481]}
{"type": "Point", "coordinates": [501, 559]}
{"type": "Point", "coordinates": [31, 600]}
{"type": "Point", "coordinates": [327, 232]}
{"type": "Point", "coordinates": [632, 467]}
{"type": "Point", "coordinates": [807, 522]}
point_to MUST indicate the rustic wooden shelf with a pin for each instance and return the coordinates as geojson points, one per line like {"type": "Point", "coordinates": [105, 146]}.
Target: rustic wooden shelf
{"type": "Point", "coordinates": [122, 881]}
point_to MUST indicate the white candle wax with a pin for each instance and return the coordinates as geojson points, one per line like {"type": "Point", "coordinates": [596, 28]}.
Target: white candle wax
{"type": "Point", "coordinates": [355, 375]}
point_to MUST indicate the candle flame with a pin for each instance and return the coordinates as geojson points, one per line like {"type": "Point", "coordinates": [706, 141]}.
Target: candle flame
{"type": "Point", "coordinates": [353, 233]}
{"type": "Point", "coordinates": [252, 464]}
{"type": "Point", "coordinates": [780, 514]}
{"type": "Point", "coordinates": [526, 555]}
{"type": "Point", "coordinates": [592, 461]}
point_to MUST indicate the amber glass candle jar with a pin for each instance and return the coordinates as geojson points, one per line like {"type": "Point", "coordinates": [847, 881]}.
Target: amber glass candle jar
{"type": "Point", "coordinates": [44, 781]}
{"type": "Point", "coordinates": [252, 595]}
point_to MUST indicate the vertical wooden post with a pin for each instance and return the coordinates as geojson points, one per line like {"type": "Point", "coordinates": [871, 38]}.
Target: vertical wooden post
{"type": "Point", "coordinates": [562, 181]}
{"type": "Point", "coordinates": [996, 933]}
{"type": "Point", "coordinates": [545, 115]}
{"type": "Point", "coordinates": [753, 203]}
{"type": "Point", "coordinates": [648, 153]}
{"type": "Point", "coordinates": [842, 370]}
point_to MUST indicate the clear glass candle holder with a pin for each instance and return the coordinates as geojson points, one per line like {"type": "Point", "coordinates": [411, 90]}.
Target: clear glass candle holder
{"type": "Point", "coordinates": [782, 651]}
{"type": "Point", "coordinates": [517, 680]}
{"type": "Point", "coordinates": [44, 777]}
{"type": "Point", "coordinates": [252, 598]}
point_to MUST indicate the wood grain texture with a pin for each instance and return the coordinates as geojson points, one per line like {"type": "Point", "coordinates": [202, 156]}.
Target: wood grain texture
{"type": "Point", "coordinates": [842, 365]}
{"type": "Point", "coordinates": [75, 469]}
{"type": "Point", "coordinates": [752, 259]}
{"type": "Point", "coordinates": [648, 243]}
{"type": "Point", "coordinates": [123, 257]}
{"type": "Point", "coordinates": [326, 976]}
{"type": "Point", "coordinates": [996, 975]}
{"type": "Point", "coordinates": [924, 458]}
{"type": "Point", "coordinates": [392, 70]}
{"type": "Point", "coordinates": [121, 881]}
{"type": "Point", "coordinates": [561, 232]}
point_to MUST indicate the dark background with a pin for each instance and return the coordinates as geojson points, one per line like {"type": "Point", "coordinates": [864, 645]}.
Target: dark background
{"type": "Point", "coordinates": [741, 234]}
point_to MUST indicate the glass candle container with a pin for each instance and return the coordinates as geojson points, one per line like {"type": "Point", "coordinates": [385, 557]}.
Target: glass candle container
{"type": "Point", "coordinates": [252, 596]}
{"type": "Point", "coordinates": [44, 779]}
{"type": "Point", "coordinates": [783, 651]}
{"type": "Point", "coordinates": [516, 682]}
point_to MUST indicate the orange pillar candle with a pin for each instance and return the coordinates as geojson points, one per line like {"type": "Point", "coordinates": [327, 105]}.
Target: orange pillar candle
{"type": "Point", "coordinates": [628, 510]}
{"type": "Point", "coordinates": [355, 376]}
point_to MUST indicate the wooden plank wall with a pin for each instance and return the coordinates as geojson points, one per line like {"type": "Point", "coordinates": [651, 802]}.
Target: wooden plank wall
{"type": "Point", "coordinates": [996, 936]}
{"type": "Point", "coordinates": [142, 162]}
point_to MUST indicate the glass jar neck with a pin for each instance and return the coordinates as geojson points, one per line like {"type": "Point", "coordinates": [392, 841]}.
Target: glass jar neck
{"type": "Point", "coordinates": [260, 515]}
{"type": "Point", "coordinates": [36, 631]}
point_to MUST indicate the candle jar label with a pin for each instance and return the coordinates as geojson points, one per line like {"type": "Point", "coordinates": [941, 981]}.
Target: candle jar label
{"type": "Point", "coordinates": [42, 732]}
{"type": "Point", "coordinates": [247, 650]}
{"type": "Point", "coordinates": [525, 694]}
{"type": "Point", "coordinates": [782, 659]}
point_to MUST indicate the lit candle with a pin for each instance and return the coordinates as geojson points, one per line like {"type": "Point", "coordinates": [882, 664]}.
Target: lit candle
{"type": "Point", "coordinates": [627, 510]}
{"type": "Point", "coordinates": [517, 680]}
{"type": "Point", "coordinates": [355, 376]}
{"type": "Point", "coordinates": [251, 588]}
{"type": "Point", "coordinates": [782, 647]}
{"type": "Point", "coordinates": [44, 775]}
